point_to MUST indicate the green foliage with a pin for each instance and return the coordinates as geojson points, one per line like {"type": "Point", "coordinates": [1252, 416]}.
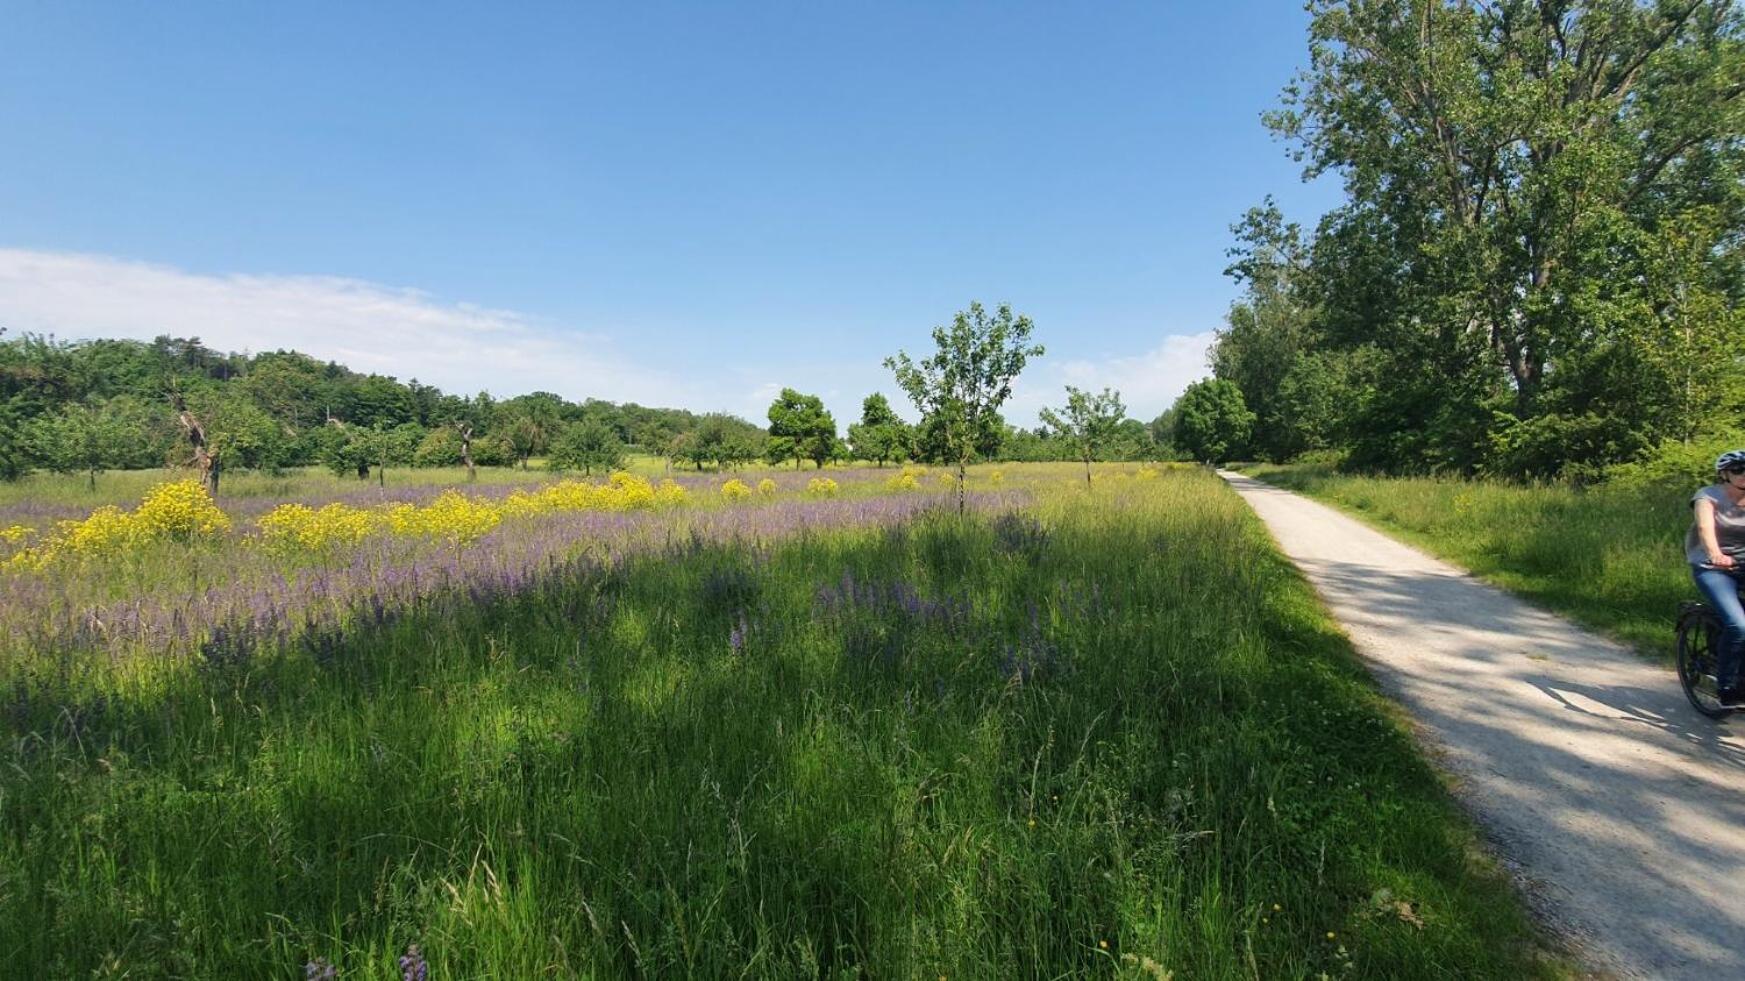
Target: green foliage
{"type": "Point", "coordinates": [1013, 753]}
{"type": "Point", "coordinates": [1211, 421]}
{"type": "Point", "coordinates": [960, 387]}
{"type": "Point", "coordinates": [1088, 422]}
{"type": "Point", "coordinates": [1537, 270]}
{"type": "Point", "coordinates": [588, 446]}
{"type": "Point", "coordinates": [880, 435]}
{"type": "Point", "coordinates": [91, 437]}
{"type": "Point", "coordinates": [800, 429]}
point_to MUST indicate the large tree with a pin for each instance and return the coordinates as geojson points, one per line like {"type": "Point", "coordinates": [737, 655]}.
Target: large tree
{"type": "Point", "coordinates": [1212, 423]}
{"type": "Point", "coordinates": [800, 428]}
{"type": "Point", "coordinates": [960, 387]}
{"type": "Point", "coordinates": [1543, 217]}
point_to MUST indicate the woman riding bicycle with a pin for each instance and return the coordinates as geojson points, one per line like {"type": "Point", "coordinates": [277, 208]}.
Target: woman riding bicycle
{"type": "Point", "coordinates": [1715, 548]}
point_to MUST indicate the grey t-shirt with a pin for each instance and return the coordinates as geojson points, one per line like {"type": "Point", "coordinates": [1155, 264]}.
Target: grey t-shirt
{"type": "Point", "coordinates": [1729, 526]}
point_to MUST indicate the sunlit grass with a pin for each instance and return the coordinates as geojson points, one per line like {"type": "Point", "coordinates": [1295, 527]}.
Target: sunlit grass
{"type": "Point", "coordinates": [1612, 557]}
{"type": "Point", "coordinates": [1111, 728]}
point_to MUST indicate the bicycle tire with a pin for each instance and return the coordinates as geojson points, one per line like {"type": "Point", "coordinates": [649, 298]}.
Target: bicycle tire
{"type": "Point", "coordinates": [1698, 630]}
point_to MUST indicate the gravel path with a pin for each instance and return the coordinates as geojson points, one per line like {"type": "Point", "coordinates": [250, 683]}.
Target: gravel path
{"type": "Point", "coordinates": [1616, 805]}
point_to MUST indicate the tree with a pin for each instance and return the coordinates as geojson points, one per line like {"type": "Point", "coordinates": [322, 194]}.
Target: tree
{"type": "Point", "coordinates": [90, 437]}
{"type": "Point", "coordinates": [1087, 422]}
{"type": "Point", "coordinates": [1543, 219]}
{"type": "Point", "coordinates": [587, 446]}
{"type": "Point", "coordinates": [967, 378]}
{"type": "Point", "coordinates": [1269, 328]}
{"type": "Point", "coordinates": [225, 429]}
{"type": "Point", "coordinates": [799, 427]}
{"type": "Point", "coordinates": [1211, 421]}
{"type": "Point", "coordinates": [879, 435]}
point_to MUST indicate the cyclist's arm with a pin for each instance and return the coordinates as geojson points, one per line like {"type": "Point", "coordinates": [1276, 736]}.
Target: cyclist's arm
{"type": "Point", "coordinates": [1705, 518]}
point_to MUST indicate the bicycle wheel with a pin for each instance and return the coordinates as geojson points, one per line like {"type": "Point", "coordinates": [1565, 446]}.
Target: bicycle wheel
{"type": "Point", "coordinates": [1698, 632]}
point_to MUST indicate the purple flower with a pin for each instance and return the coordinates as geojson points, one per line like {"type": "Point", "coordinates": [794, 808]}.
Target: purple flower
{"type": "Point", "coordinates": [320, 969]}
{"type": "Point", "coordinates": [412, 965]}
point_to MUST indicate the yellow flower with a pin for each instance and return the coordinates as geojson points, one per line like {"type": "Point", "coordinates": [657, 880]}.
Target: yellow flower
{"type": "Point", "coordinates": [903, 482]}
{"type": "Point", "coordinates": [821, 487]}
{"type": "Point", "coordinates": [766, 488]}
{"type": "Point", "coordinates": [181, 509]}
{"type": "Point", "coordinates": [735, 490]}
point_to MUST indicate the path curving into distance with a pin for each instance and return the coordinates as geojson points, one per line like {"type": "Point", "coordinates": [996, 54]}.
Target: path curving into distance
{"type": "Point", "coordinates": [1619, 809]}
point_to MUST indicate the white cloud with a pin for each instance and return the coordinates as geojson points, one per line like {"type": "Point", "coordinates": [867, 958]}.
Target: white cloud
{"type": "Point", "coordinates": [463, 348]}
{"type": "Point", "coordinates": [1148, 382]}
{"type": "Point", "coordinates": [367, 327]}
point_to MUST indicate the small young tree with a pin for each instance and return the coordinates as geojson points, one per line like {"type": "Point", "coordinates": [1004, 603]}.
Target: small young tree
{"type": "Point", "coordinates": [967, 378]}
{"type": "Point", "coordinates": [587, 446]}
{"type": "Point", "coordinates": [1088, 422]}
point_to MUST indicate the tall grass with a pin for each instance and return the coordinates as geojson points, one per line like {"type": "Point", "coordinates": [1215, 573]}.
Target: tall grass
{"type": "Point", "coordinates": [1109, 735]}
{"type": "Point", "coordinates": [1610, 556]}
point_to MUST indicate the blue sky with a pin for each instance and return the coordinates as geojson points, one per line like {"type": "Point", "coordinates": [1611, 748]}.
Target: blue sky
{"type": "Point", "coordinates": [677, 204]}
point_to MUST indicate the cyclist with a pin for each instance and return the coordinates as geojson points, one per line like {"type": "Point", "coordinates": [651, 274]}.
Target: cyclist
{"type": "Point", "coordinates": [1715, 548]}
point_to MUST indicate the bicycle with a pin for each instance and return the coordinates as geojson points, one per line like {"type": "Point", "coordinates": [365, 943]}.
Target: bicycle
{"type": "Point", "coordinates": [1699, 630]}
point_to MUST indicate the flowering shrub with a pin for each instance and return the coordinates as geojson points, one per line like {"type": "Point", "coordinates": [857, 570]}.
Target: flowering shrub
{"type": "Point", "coordinates": [903, 482]}
{"type": "Point", "coordinates": [452, 516]}
{"type": "Point", "coordinates": [821, 487]}
{"type": "Point", "coordinates": [1146, 473]}
{"type": "Point", "coordinates": [669, 494]}
{"type": "Point", "coordinates": [735, 490]}
{"type": "Point", "coordinates": [947, 479]}
{"type": "Point", "coordinates": [16, 534]}
{"type": "Point", "coordinates": [996, 477]}
{"type": "Point", "coordinates": [181, 510]}
{"type": "Point", "coordinates": [766, 488]}
{"type": "Point", "coordinates": [106, 531]}
{"type": "Point", "coordinates": [298, 527]}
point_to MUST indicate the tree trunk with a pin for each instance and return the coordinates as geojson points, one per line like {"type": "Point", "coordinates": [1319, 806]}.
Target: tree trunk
{"type": "Point", "coordinates": [962, 500]}
{"type": "Point", "coordinates": [363, 471]}
{"type": "Point", "coordinates": [93, 480]}
{"type": "Point", "coordinates": [202, 457]}
{"type": "Point", "coordinates": [466, 452]}
{"type": "Point", "coordinates": [1087, 471]}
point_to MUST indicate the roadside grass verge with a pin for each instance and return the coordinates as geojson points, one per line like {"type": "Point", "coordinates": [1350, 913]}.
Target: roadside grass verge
{"type": "Point", "coordinates": [1111, 733]}
{"type": "Point", "coordinates": [1610, 557]}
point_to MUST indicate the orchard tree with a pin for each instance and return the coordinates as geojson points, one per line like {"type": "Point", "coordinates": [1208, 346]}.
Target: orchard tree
{"type": "Point", "coordinates": [1088, 422]}
{"type": "Point", "coordinates": [967, 378]}
{"type": "Point", "coordinates": [90, 437]}
{"type": "Point", "coordinates": [587, 446]}
{"type": "Point", "coordinates": [800, 428]}
{"type": "Point", "coordinates": [224, 428]}
{"type": "Point", "coordinates": [1211, 421]}
{"type": "Point", "coordinates": [879, 435]}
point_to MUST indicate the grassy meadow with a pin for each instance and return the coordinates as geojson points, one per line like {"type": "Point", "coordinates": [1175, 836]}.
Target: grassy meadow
{"type": "Point", "coordinates": [1610, 556]}
{"type": "Point", "coordinates": [1103, 733]}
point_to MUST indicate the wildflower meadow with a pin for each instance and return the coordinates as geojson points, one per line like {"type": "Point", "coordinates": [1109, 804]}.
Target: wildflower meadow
{"type": "Point", "coordinates": [785, 725]}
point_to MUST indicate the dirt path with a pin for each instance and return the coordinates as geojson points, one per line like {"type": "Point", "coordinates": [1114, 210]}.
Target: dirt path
{"type": "Point", "coordinates": [1620, 808]}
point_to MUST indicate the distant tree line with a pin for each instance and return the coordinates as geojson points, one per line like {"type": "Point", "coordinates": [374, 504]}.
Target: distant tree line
{"type": "Point", "coordinates": [1537, 268]}
{"type": "Point", "coordinates": [87, 407]}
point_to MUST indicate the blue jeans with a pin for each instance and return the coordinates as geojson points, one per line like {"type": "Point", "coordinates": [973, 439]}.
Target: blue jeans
{"type": "Point", "coordinates": [1721, 589]}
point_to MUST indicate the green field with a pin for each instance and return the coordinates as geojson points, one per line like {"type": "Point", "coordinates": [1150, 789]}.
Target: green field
{"type": "Point", "coordinates": [1610, 556]}
{"type": "Point", "coordinates": [1108, 733]}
